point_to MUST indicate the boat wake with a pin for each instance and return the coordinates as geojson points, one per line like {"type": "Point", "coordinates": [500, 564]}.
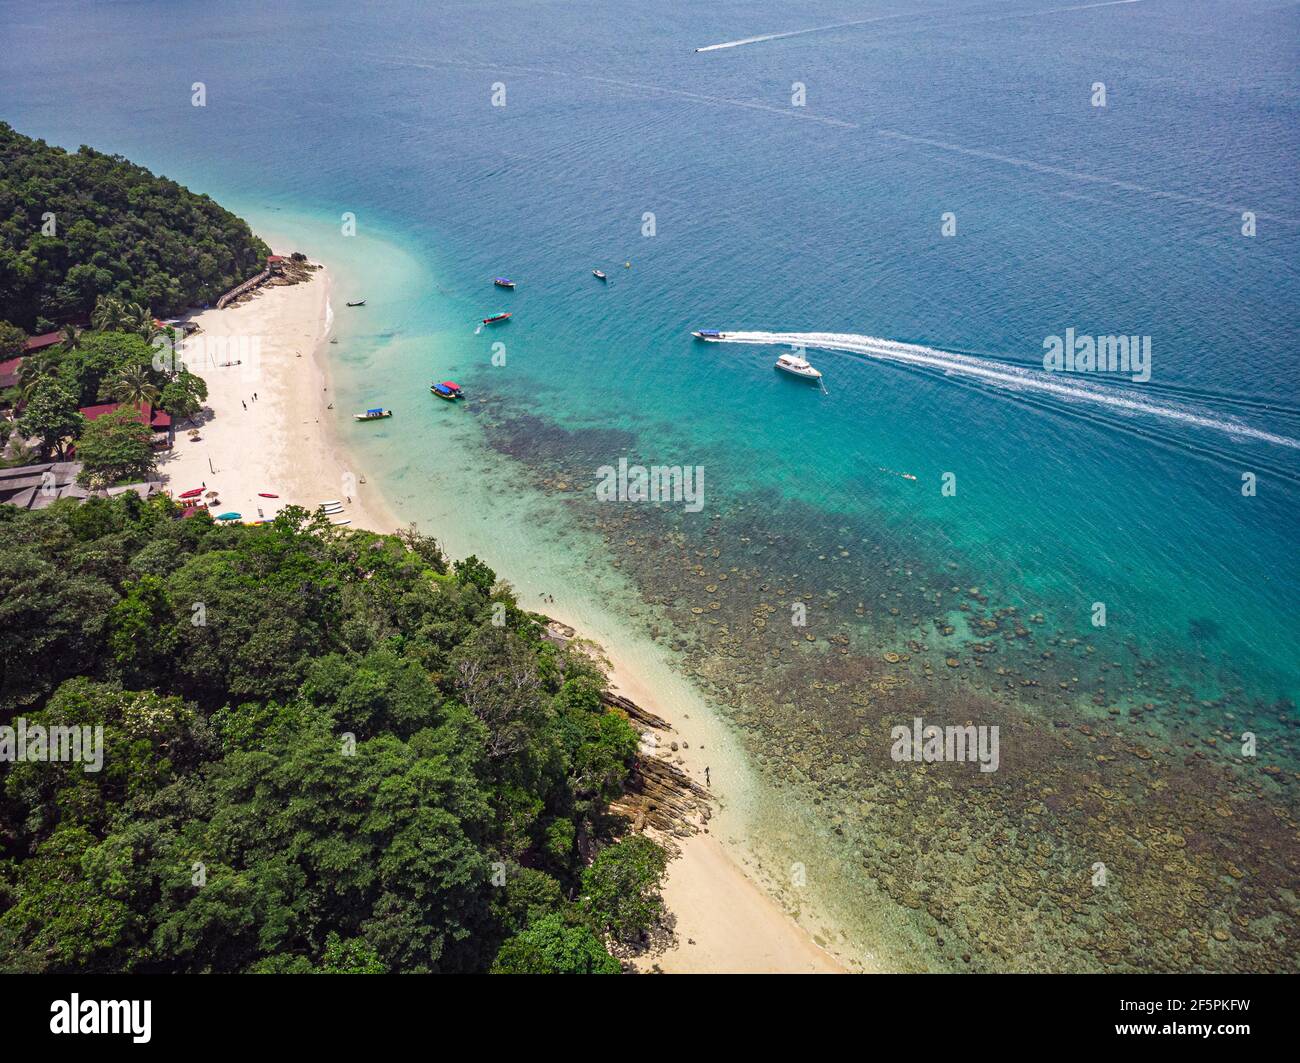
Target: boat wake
{"type": "Point", "coordinates": [910, 14]}
{"type": "Point", "coordinates": [795, 33]}
{"type": "Point", "coordinates": [1010, 377]}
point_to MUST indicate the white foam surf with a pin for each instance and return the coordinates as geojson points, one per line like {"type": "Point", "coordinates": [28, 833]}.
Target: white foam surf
{"type": "Point", "coordinates": [1011, 377]}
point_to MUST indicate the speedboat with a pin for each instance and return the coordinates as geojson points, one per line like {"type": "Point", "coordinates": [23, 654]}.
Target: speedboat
{"type": "Point", "coordinates": [707, 334]}
{"type": "Point", "coordinates": [502, 316]}
{"type": "Point", "coordinates": [599, 275]}
{"type": "Point", "coordinates": [797, 366]}
{"type": "Point", "coordinates": [504, 282]}
{"type": "Point", "coordinates": [373, 415]}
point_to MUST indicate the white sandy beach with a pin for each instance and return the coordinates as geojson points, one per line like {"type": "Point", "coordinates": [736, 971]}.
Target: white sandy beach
{"type": "Point", "coordinates": [280, 443]}
{"type": "Point", "coordinates": [725, 921]}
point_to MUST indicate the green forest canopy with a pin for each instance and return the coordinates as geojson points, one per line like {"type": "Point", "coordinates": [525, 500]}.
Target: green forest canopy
{"type": "Point", "coordinates": [118, 231]}
{"type": "Point", "coordinates": [324, 751]}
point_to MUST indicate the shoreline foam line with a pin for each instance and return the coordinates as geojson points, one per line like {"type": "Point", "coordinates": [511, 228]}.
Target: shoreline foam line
{"type": "Point", "coordinates": [1000, 373]}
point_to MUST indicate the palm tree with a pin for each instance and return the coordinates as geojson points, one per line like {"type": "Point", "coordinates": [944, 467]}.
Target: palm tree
{"type": "Point", "coordinates": [140, 321]}
{"type": "Point", "coordinates": [34, 369]}
{"type": "Point", "coordinates": [71, 338]}
{"type": "Point", "coordinates": [132, 385]}
{"type": "Point", "coordinates": [109, 314]}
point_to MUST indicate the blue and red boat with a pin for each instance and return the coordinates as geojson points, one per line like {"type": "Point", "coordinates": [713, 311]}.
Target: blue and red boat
{"type": "Point", "coordinates": [449, 390]}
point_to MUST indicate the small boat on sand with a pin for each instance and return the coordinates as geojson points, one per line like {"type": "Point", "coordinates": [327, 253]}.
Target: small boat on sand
{"type": "Point", "coordinates": [339, 523]}
{"type": "Point", "coordinates": [359, 302]}
{"type": "Point", "coordinates": [331, 502]}
{"type": "Point", "coordinates": [797, 366]}
{"type": "Point", "coordinates": [502, 316]}
{"type": "Point", "coordinates": [266, 494]}
{"type": "Point", "coordinates": [373, 415]}
{"type": "Point", "coordinates": [599, 275]}
{"type": "Point", "coordinates": [503, 282]}
{"type": "Point", "coordinates": [708, 334]}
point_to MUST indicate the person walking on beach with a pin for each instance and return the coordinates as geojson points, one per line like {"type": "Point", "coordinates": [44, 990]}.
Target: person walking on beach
{"type": "Point", "coordinates": [243, 404]}
{"type": "Point", "coordinates": [706, 776]}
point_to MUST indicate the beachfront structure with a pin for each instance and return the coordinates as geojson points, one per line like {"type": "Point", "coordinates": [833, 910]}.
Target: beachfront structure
{"type": "Point", "coordinates": [41, 342]}
{"type": "Point", "coordinates": [37, 486]}
{"type": "Point", "coordinates": [9, 372]}
{"type": "Point", "coordinates": [159, 421]}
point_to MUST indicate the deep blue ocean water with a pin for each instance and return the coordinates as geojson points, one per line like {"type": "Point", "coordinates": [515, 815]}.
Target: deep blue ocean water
{"type": "Point", "coordinates": [822, 218]}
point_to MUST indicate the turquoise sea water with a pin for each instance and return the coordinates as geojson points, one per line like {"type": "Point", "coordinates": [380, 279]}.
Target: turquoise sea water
{"type": "Point", "coordinates": [821, 218]}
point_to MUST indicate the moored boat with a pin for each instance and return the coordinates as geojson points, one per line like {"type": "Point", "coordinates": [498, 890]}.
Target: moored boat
{"type": "Point", "coordinates": [503, 282]}
{"type": "Point", "coordinates": [599, 275]}
{"type": "Point", "coordinates": [444, 392]}
{"type": "Point", "coordinates": [377, 414]}
{"type": "Point", "coordinates": [798, 366]}
{"type": "Point", "coordinates": [502, 316]}
{"type": "Point", "coordinates": [359, 302]}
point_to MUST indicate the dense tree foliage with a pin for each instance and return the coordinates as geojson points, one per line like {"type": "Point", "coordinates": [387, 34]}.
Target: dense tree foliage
{"type": "Point", "coordinates": [322, 753]}
{"type": "Point", "coordinates": [115, 448]}
{"type": "Point", "coordinates": [75, 226]}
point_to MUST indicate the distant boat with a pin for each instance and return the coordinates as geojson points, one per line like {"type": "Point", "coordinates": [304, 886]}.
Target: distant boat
{"type": "Point", "coordinates": [359, 302]}
{"type": "Point", "coordinates": [338, 523]}
{"type": "Point", "coordinates": [373, 415]}
{"type": "Point", "coordinates": [502, 316]}
{"type": "Point", "coordinates": [504, 282]}
{"type": "Point", "coordinates": [331, 502]}
{"type": "Point", "coordinates": [266, 494]}
{"type": "Point", "coordinates": [708, 334]}
{"type": "Point", "coordinates": [797, 366]}
{"type": "Point", "coordinates": [599, 275]}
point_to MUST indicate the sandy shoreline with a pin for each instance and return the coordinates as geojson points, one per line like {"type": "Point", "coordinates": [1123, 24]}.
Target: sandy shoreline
{"type": "Point", "coordinates": [282, 442]}
{"type": "Point", "coordinates": [266, 429]}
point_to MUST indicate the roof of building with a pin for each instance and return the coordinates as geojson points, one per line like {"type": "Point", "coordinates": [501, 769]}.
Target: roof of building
{"type": "Point", "coordinates": [39, 343]}
{"type": "Point", "coordinates": [9, 372]}
{"type": "Point", "coordinates": [145, 414]}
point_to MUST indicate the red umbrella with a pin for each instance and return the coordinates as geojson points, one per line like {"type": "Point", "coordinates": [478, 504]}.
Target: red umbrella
{"type": "Point", "coordinates": [192, 494]}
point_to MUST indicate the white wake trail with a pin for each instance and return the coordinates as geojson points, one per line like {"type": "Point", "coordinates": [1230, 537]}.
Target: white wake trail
{"type": "Point", "coordinates": [796, 33]}
{"type": "Point", "coordinates": [1012, 377]}
{"type": "Point", "coordinates": [910, 14]}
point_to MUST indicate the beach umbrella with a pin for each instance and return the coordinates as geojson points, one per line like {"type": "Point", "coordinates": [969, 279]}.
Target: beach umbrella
{"type": "Point", "coordinates": [211, 494]}
{"type": "Point", "coordinates": [229, 516]}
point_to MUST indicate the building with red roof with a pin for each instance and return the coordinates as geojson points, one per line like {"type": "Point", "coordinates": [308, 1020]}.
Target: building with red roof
{"type": "Point", "coordinates": [9, 372]}
{"type": "Point", "coordinates": [158, 420]}
{"type": "Point", "coordinates": [39, 343]}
